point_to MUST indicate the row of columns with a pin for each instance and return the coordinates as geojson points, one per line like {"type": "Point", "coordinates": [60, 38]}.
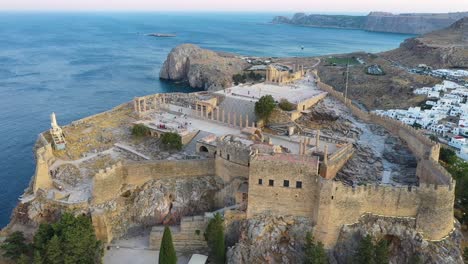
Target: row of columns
{"type": "Point", "coordinates": [220, 115]}
{"type": "Point", "coordinates": [140, 104]}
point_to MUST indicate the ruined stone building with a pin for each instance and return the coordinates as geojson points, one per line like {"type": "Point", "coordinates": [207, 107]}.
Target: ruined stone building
{"type": "Point", "coordinates": [261, 178]}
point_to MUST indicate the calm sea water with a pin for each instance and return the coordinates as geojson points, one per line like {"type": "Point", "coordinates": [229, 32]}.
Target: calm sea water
{"type": "Point", "coordinates": [78, 64]}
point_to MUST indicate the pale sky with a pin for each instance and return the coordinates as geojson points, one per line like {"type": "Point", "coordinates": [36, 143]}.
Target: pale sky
{"type": "Point", "coordinates": [439, 6]}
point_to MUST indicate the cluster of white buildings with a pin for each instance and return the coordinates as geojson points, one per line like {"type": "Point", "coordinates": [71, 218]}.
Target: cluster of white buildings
{"type": "Point", "coordinates": [444, 101]}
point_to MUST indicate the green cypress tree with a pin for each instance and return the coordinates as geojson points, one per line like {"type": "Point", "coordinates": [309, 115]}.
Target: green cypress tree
{"type": "Point", "coordinates": [314, 252]}
{"type": "Point", "coordinates": [381, 252]}
{"type": "Point", "coordinates": [365, 252]}
{"type": "Point", "coordinates": [167, 254]}
{"type": "Point", "coordinates": [14, 245]}
{"type": "Point", "coordinates": [214, 236]}
{"type": "Point", "coordinates": [54, 251]}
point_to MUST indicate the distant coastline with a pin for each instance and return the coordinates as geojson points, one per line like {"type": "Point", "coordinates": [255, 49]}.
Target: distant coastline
{"type": "Point", "coordinates": [411, 23]}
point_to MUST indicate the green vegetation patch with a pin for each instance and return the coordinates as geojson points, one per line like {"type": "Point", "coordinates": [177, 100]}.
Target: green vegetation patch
{"type": "Point", "coordinates": [167, 253]}
{"type": "Point", "coordinates": [285, 105]}
{"type": "Point", "coordinates": [264, 107]}
{"type": "Point", "coordinates": [172, 140]}
{"type": "Point", "coordinates": [214, 236]}
{"type": "Point", "coordinates": [140, 130]}
{"type": "Point", "coordinates": [342, 61]}
{"type": "Point", "coordinates": [70, 240]}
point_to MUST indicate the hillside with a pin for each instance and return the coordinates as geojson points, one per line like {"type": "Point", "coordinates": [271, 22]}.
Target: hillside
{"type": "Point", "coordinates": [392, 90]}
{"type": "Point", "coordinates": [411, 23]}
{"type": "Point", "coordinates": [446, 48]}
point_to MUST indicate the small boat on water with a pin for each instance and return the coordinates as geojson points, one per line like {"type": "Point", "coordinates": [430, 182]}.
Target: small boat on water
{"type": "Point", "coordinates": [161, 35]}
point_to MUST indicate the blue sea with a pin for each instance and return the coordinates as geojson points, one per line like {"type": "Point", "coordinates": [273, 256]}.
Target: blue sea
{"type": "Point", "coordinates": [78, 64]}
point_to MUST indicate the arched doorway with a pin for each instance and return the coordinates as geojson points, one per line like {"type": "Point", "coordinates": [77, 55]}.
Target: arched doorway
{"type": "Point", "coordinates": [203, 149]}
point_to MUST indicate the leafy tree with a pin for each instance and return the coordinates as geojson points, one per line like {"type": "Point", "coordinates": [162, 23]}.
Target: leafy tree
{"type": "Point", "coordinates": [24, 259]}
{"type": "Point", "coordinates": [167, 254]}
{"type": "Point", "coordinates": [239, 78]}
{"type": "Point", "coordinates": [172, 140]}
{"type": "Point", "coordinates": [140, 130]}
{"type": "Point", "coordinates": [434, 138]}
{"type": "Point", "coordinates": [314, 252]}
{"type": "Point", "coordinates": [447, 155]}
{"type": "Point", "coordinates": [285, 105]}
{"type": "Point", "coordinates": [365, 252]}
{"type": "Point", "coordinates": [465, 255]}
{"type": "Point", "coordinates": [214, 236]}
{"type": "Point", "coordinates": [14, 245]}
{"type": "Point", "coordinates": [264, 107]}
{"type": "Point", "coordinates": [42, 236]}
{"type": "Point", "coordinates": [38, 258]}
{"type": "Point", "coordinates": [381, 252]}
{"type": "Point", "coordinates": [54, 251]}
{"type": "Point", "coordinates": [70, 240]}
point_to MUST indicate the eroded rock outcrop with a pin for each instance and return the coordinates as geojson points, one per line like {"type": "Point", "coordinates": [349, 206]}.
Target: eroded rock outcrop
{"type": "Point", "coordinates": [201, 68]}
{"type": "Point", "coordinates": [158, 202]}
{"type": "Point", "coordinates": [268, 239]}
{"type": "Point", "coordinates": [404, 241]}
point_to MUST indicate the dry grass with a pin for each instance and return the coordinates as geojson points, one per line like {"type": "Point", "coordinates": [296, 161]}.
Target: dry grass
{"type": "Point", "coordinates": [97, 133]}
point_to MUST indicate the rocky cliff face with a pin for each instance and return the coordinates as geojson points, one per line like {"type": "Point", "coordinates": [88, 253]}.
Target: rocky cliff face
{"type": "Point", "coordinates": [404, 242]}
{"type": "Point", "coordinates": [160, 202]}
{"type": "Point", "coordinates": [268, 239]}
{"type": "Point", "coordinates": [446, 48]}
{"type": "Point", "coordinates": [201, 68]}
{"type": "Point", "coordinates": [377, 21]}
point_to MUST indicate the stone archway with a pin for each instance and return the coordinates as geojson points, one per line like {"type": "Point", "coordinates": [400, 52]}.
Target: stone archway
{"type": "Point", "coordinates": [203, 149]}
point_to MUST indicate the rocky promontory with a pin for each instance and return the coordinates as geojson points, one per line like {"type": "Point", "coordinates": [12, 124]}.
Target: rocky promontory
{"type": "Point", "coordinates": [446, 48]}
{"type": "Point", "coordinates": [201, 68]}
{"type": "Point", "coordinates": [412, 23]}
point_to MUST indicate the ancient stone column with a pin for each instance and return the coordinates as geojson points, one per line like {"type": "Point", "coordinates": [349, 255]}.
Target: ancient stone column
{"type": "Point", "coordinates": [317, 140]}
{"type": "Point", "coordinates": [325, 155]}
{"type": "Point", "coordinates": [222, 116]}
{"type": "Point", "coordinates": [234, 119]}
{"type": "Point", "coordinates": [135, 105]}
{"type": "Point", "coordinates": [217, 114]}
{"type": "Point", "coordinates": [212, 114]}
{"type": "Point", "coordinates": [246, 120]}
{"type": "Point", "coordinates": [240, 120]}
{"type": "Point", "coordinates": [301, 147]}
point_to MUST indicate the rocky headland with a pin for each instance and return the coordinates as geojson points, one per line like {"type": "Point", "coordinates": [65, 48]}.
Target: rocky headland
{"type": "Point", "coordinates": [201, 68]}
{"type": "Point", "coordinates": [412, 23]}
{"type": "Point", "coordinates": [446, 48]}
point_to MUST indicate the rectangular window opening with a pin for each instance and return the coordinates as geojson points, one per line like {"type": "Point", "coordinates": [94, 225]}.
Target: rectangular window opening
{"type": "Point", "coordinates": [299, 184]}
{"type": "Point", "coordinates": [271, 182]}
{"type": "Point", "coordinates": [286, 183]}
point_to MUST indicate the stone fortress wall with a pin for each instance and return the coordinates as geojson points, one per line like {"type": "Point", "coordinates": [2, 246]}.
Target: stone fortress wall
{"type": "Point", "coordinates": [44, 159]}
{"type": "Point", "coordinates": [328, 203]}
{"type": "Point", "coordinates": [189, 236]}
{"type": "Point", "coordinates": [431, 204]}
{"type": "Point", "coordinates": [108, 183]}
{"type": "Point", "coordinates": [333, 163]}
